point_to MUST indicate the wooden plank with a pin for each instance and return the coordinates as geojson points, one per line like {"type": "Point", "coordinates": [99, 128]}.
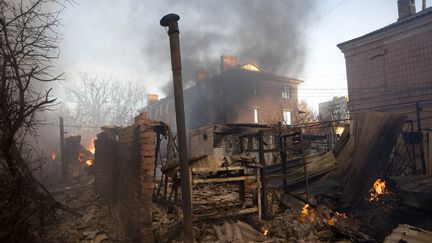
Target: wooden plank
{"type": "Point", "coordinates": [316, 165]}
{"type": "Point", "coordinates": [264, 184]}
{"type": "Point", "coordinates": [225, 214]}
{"type": "Point", "coordinates": [298, 177]}
{"type": "Point", "coordinates": [229, 168]}
{"type": "Point", "coordinates": [227, 179]}
{"type": "Point", "coordinates": [306, 176]}
{"type": "Point", "coordinates": [259, 186]}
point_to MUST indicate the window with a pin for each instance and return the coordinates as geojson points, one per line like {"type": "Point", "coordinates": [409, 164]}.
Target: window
{"type": "Point", "coordinates": [286, 92]}
{"type": "Point", "coordinates": [286, 116]}
{"type": "Point", "coordinates": [256, 115]}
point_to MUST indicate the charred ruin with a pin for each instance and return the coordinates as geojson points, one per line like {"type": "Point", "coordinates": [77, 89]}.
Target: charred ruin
{"type": "Point", "coordinates": [231, 156]}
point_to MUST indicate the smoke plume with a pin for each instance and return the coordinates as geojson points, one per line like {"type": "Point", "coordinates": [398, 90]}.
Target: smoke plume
{"type": "Point", "coordinates": [269, 33]}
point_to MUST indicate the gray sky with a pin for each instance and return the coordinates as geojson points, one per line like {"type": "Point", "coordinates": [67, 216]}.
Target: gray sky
{"type": "Point", "coordinates": [123, 38]}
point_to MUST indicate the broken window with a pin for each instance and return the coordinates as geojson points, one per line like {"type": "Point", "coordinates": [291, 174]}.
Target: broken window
{"type": "Point", "coordinates": [256, 115]}
{"type": "Point", "coordinates": [286, 116]}
{"type": "Point", "coordinates": [286, 92]}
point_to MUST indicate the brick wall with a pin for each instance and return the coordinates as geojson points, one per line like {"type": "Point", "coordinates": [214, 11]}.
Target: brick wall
{"type": "Point", "coordinates": [72, 151]}
{"type": "Point", "coordinates": [106, 165]}
{"type": "Point", "coordinates": [393, 69]}
{"type": "Point", "coordinates": [132, 195]}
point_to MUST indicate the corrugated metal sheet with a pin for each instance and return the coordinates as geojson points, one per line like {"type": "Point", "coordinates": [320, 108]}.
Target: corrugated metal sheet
{"type": "Point", "coordinates": [409, 234]}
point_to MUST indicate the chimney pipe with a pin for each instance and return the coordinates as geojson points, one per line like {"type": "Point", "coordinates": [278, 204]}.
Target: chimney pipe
{"type": "Point", "coordinates": [170, 21]}
{"type": "Point", "coordinates": [406, 8]}
{"type": "Point", "coordinates": [424, 5]}
{"type": "Point", "coordinates": [152, 98]}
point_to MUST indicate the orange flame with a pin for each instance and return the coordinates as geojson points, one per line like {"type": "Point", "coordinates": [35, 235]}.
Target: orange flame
{"type": "Point", "coordinates": [91, 146]}
{"type": "Point", "coordinates": [308, 213]}
{"type": "Point", "coordinates": [378, 188]}
{"type": "Point", "coordinates": [305, 210]}
{"type": "Point", "coordinates": [53, 156]}
{"type": "Point", "coordinates": [333, 220]}
{"type": "Point", "coordinates": [89, 162]}
{"type": "Point", "coordinates": [266, 232]}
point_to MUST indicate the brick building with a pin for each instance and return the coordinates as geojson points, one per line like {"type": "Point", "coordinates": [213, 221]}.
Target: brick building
{"type": "Point", "coordinates": [391, 68]}
{"type": "Point", "coordinates": [335, 109]}
{"type": "Point", "coordinates": [239, 94]}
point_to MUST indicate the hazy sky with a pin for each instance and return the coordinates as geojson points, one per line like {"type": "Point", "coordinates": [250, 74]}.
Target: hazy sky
{"type": "Point", "coordinates": [113, 37]}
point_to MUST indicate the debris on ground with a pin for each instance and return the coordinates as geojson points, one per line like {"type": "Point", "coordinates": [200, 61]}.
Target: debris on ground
{"type": "Point", "coordinates": [96, 223]}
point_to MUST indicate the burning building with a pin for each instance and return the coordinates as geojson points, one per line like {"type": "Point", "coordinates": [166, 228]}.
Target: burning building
{"type": "Point", "coordinates": [238, 94]}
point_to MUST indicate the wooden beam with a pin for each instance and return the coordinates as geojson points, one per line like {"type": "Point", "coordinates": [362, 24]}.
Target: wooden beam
{"type": "Point", "coordinates": [225, 214]}
{"type": "Point", "coordinates": [227, 179]}
{"type": "Point", "coordinates": [229, 168]}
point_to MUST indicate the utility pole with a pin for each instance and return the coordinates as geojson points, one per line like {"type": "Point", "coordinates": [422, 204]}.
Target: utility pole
{"type": "Point", "coordinates": [62, 149]}
{"type": "Point", "coordinates": [170, 21]}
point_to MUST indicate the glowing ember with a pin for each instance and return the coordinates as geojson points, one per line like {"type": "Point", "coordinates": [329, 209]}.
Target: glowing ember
{"type": "Point", "coordinates": [331, 221]}
{"type": "Point", "coordinates": [89, 162]}
{"type": "Point", "coordinates": [342, 215]}
{"type": "Point", "coordinates": [305, 210]}
{"type": "Point", "coordinates": [307, 213]}
{"type": "Point", "coordinates": [378, 188]}
{"type": "Point", "coordinates": [266, 232]}
{"type": "Point", "coordinates": [53, 156]}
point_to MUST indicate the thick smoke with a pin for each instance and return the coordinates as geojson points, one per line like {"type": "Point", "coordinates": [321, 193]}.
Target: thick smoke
{"type": "Point", "coordinates": [269, 33]}
{"type": "Point", "coordinates": [123, 39]}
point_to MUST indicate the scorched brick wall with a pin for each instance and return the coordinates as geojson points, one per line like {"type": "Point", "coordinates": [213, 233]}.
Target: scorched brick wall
{"type": "Point", "coordinates": [134, 180]}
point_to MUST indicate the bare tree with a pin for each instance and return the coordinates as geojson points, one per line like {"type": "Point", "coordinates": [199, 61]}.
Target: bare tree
{"type": "Point", "coordinates": [306, 113]}
{"type": "Point", "coordinates": [96, 101]}
{"type": "Point", "coordinates": [308, 118]}
{"type": "Point", "coordinates": [28, 44]}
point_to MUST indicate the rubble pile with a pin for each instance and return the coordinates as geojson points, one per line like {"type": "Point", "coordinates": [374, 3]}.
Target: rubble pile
{"type": "Point", "coordinates": [94, 222]}
{"type": "Point", "coordinates": [350, 196]}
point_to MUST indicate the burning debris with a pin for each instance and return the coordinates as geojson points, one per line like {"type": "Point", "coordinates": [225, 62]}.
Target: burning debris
{"type": "Point", "coordinates": [53, 156]}
{"type": "Point", "coordinates": [89, 162]}
{"type": "Point", "coordinates": [232, 200]}
{"type": "Point", "coordinates": [91, 147]}
{"type": "Point", "coordinates": [295, 217]}
{"type": "Point", "coordinates": [378, 188]}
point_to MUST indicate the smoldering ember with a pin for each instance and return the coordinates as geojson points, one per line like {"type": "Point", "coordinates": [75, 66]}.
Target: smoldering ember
{"type": "Point", "coordinates": [281, 121]}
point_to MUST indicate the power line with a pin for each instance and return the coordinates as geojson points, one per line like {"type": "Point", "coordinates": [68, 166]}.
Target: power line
{"type": "Point", "coordinates": [324, 15]}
